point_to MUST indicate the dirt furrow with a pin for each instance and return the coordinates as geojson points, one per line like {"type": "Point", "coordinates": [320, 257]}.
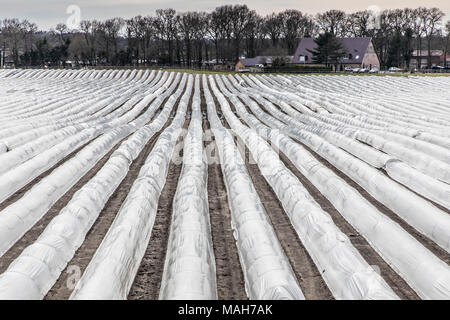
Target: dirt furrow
{"type": "Point", "coordinates": [308, 276]}
{"type": "Point", "coordinates": [147, 282]}
{"type": "Point", "coordinates": [229, 276]}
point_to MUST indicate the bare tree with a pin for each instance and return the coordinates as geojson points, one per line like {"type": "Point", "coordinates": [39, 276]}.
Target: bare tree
{"type": "Point", "coordinates": [358, 23]}
{"type": "Point", "coordinates": [61, 28]}
{"type": "Point", "coordinates": [446, 42]}
{"type": "Point", "coordinates": [382, 33]}
{"type": "Point", "coordinates": [273, 25]}
{"type": "Point", "coordinates": [92, 31]}
{"type": "Point", "coordinates": [29, 29]}
{"type": "Point", "coordinates": [253, 33]}
{"type": "Point", "coordinates": [226, 33]}
{"type": "Point", "coordinates": [295, 25]}
{"type": "Point", "coordinates": [213, 31]}
{"type": "Point", "coordinates": [167, 26]}
{"type": "Point", "coordinates": [408, 24]}
{"type": "Point", "coordinates": [12, 32]}
{"type": "Point", "coordinates": [431, 20]}
{"type": "Point", "coordinates": [240, 19]}
{"type": "Point", "coordinates": [418, 31]}
{"type": "Point", "coordinates": [333, 21]}
{"type": "Point", "coordinates": [111, 29]}
{"type": "Point", "coordinates": [188, 24]}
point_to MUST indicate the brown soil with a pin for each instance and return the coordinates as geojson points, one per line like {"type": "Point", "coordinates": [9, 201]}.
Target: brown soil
{"type": "Point", "coordinates": [229, 276]}
{"type": "Point", "coordinates": [308, 276]}
{"type": "Point", "coordinates": [147, 283]}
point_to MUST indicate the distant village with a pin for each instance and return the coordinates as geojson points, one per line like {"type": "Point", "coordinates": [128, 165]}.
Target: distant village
{"type": "Point", "coordinates": [236, 38]}
{"type": "Point", "coordinates": [361, 57]}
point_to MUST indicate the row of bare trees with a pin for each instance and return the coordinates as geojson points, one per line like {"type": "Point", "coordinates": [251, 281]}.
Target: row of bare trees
{"type": "Point", "coordinates": [16, 36]}
{"type": "Point", "coordinates": [225, 34]}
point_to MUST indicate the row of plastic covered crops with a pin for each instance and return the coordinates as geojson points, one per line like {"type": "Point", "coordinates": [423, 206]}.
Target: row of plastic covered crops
{"type": "Point", "coordinates": [395, 150]}
{"type": "Point", "coordinates": [86, 118]}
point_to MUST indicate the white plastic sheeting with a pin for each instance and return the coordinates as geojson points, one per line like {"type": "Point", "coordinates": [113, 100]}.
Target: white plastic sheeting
{"type": "Point", "coordinates": [17, 218]}
{"type": "Point", "coordinates": [418, 212]}
{"type": "Point", "coordinates": [397, 198]}
{"type": "Point", "coordinates": [427, 124]}
{"type": "Point", "coordinates": [430, 188]}
{"type": "Point", "coordinates": [429, 165]}
{"type": "Point", "coordinates": [35, 147]}
{"type": "Point", "coordinates": [38, 267]}
{"type": "Point", "coordinates": [422, 270]}
{"type": "Point", "coordinates": [3, 148]}
{"type": "Point", "coordinates": [111, 271]}
{"type": "Point", "coordinates": [426, 186]}
{"type": "Point", "coordinates": [364, 152]}
{"type": "Point", "coordinates": [346, 273]}
{"type": "Point", "coordinates": [78, 106]}
{"type": "Point", "coordinates": [89, 115]}
{"type": "Point", "coordinates": [385, 113]}
{"type": "Point", "coordinates": [17, 177]}
{"type": "Point", "coordinates": [189, 269]}
{"type": "Point", "coordinates": [407, 136]}
{"type": "Point", "coordinates": [267, 272]}
{"type": "Point", "coordinates": [348, 110]}
{"type": "Point", "coordinates": [433, 150]}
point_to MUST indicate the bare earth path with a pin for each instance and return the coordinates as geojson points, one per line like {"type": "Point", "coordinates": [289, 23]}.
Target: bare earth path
{"type": "Point", "coordinates": [229, 276]}
{"type": "Point", "coordinates": [147, 282]}
{"type": "Point", "coordinates": [308, 276]}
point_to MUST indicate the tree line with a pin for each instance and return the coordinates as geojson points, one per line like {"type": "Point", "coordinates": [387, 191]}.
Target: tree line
{"type": "Point", "coordinates": [221, 36]}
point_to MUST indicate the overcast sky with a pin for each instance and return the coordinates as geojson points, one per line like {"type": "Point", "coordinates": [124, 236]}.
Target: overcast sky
{"type": "Point", "coordinates": [47, 13]}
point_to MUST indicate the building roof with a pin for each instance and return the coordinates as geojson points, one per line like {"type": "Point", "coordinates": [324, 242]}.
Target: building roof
{"type": "Point", "coordinates": [357, 47]}
{"type": "Point", "coordinates": [251, 62]}
{"type": "Point", "coordinates": [424, 53]}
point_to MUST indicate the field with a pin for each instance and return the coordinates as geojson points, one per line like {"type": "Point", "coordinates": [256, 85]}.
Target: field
{"type": "Point", "coordinates": [149, 184]}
